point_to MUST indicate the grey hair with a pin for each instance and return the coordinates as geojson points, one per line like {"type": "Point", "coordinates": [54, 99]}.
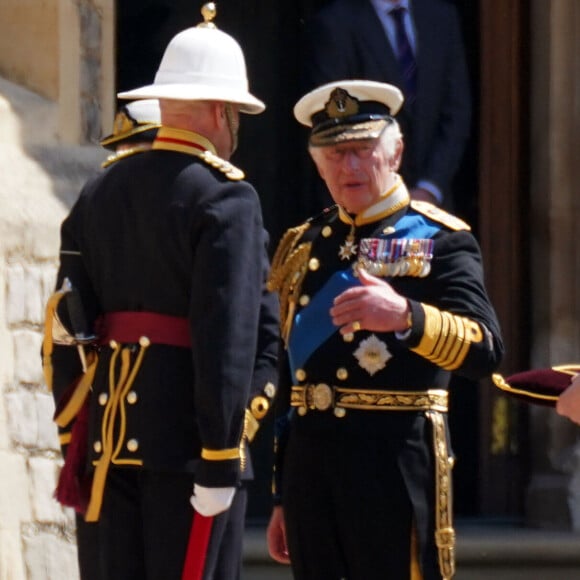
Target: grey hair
{"type": "Point", "coordinates": [390, 137]}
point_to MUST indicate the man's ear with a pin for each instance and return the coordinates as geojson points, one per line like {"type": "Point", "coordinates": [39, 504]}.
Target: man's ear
{"type": "Point", "coordinates": [398, 155]}
{"type": "Point", "coordinates": [219, 114]}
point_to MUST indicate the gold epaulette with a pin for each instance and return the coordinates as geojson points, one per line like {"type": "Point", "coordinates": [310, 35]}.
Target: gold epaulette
{"type": "Point", "coordinates": [283, 253]}
{"type": "Point", "coordinates": [125, 153]}
{"type": "Point", "coordinates": [229, 170]}
{"type": "Point", "coordinates": [289, 265]}
{"type": "Point", "coordinates": [439, 215]}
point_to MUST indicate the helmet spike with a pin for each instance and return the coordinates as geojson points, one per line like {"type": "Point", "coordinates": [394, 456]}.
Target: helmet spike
{"type": "Point", "coordinates": [208, 11]}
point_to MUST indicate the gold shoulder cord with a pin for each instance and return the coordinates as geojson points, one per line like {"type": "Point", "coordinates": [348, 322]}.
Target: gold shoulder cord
{"type": "Point", "coordinates": [124, 154]}
{"type": "Point", "coordinates": [289, 266]}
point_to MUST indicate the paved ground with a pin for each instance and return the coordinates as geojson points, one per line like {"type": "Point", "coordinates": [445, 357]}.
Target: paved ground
{"type": "Point", "coordinates": [484, 552]}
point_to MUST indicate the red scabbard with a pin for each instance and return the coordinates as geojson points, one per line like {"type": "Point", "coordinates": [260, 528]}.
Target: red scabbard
{"type": "Point", "coordinates": [197, 547]}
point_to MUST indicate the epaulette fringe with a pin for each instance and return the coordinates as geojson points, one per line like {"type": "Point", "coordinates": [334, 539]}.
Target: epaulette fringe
{"type": "Point", "coordinates": [289, 266]}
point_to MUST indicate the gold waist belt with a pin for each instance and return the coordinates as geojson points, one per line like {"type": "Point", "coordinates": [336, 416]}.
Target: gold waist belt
{"type": "Point", "coordinates": [321, 397]}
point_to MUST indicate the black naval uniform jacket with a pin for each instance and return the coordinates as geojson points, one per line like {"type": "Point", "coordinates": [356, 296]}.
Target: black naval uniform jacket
{"type": "Point", "coordinates": [454, 329]}
{"type": "Point", "coordinates": [173, 231]}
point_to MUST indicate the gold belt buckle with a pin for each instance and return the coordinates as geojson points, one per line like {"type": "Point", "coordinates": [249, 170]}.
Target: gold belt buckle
{"type": "Point", "coordinates": [322, 397]}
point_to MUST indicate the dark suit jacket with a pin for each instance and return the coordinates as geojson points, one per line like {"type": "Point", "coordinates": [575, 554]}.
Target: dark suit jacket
{"type": "Point", "coordinates": [345, 40]}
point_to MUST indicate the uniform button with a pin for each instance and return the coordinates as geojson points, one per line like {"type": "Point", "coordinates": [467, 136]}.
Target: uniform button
{"type": "Point", "coordinates": [313, 264]}
{"type": "Point", "coordinates": [342, 374]}
{"type": "Point", "coordinates": [348, 337]}
{"type": "Point", "coordinates": [132, 445]}
{"type": "Point", "coordinates": [270, 390]}
{"type": "Point", "coordinates": [103, 398]}
{"type": "Point", "coordinates": [97, 446]}
{"type": "Point", "coordinates": [304, 300]}
{"type": "Point", "coordinates": [300, 374]}
{"type": "Point", "coordinates": [131, 397]}
{"type": "Point", "coordinates": [326, 231]}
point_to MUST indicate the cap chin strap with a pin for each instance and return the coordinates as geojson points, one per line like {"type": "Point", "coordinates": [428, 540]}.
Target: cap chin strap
{"type": "Point", "coordinates": [232, 127]}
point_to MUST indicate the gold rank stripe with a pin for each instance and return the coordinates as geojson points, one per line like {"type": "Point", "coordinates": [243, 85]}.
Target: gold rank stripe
{"type": "Point", "coordinates": [447, 338]}
{"type": "Point", "coordinates": [65, 438]}
{"type": "Point", "coordinates": [220, 454]}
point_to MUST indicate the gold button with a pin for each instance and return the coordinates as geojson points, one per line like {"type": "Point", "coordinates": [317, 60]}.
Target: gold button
{"type": "Point", "coordinates": [326, 231]}
{"type": "Point", "coordinates": [339, 412]}
{"type": "Point", "coordinates": [304, 300]}
{"type": "Point", "coordinates": [342, 374]}
{"type": "Point", "coordinates": [131, 397]}
{"type": "Point", "coordinates": [132, 445]}
{"type": "Point", "coordinates": [302, 411]}
{"type": "Point", "coordinates": [313, 264]}
{"type": "Point", "coordinates": [144, 342]}
{"type": "Point", "coordinates": [259, 407]}
{"type": "Point", "coordinates": [97, 446]}
{"type": "Point", "coordinates": [300, 375]}
{"type": "Point", "coordinates": [348, 337]}
{"type": "Point", "coordinates": [103, 398]}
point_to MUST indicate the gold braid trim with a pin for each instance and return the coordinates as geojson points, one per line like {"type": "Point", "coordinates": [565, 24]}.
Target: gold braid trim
{"type": "Point", "coordinates": [114, 422]}
{"type": "Point", "coordinates": [447, 338]}
{"type": "Point", "coordinates": [285, 247]}
{"type": "Point", "coordinates": [501, 383]}
{"type": "Point", "coordinates": [444, 531]}
{"type": "Point", "coordinates": [289, 266]}
{"type": "Point", "coordinates": [50, 322]}
{"type": "Point", "coordinates": [220, 454]}
{"type": "Point", "coordinates": [77, 399]}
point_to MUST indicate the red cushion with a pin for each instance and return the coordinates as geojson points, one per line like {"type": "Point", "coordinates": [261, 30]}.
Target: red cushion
{"type": "Point", "coordinates": [539, 386]}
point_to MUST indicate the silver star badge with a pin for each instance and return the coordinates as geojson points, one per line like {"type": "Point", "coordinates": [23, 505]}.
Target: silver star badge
{"type": "Point", "coordinates": [347, 250]}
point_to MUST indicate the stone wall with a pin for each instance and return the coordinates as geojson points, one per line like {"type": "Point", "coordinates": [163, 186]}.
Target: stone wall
{"type": "Point", "coordinates": [33, 63]}
{"type": "Point", "coordinates": [40, 180]}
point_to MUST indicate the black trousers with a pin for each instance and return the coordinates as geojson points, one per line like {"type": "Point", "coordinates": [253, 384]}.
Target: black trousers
{"type": "Point", "coordinates": [347, 505]}
{"type": "Point", "coordinates": [144, 527]}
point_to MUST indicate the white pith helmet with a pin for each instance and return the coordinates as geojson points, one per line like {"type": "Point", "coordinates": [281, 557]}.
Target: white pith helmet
{"type": "Point", "coordinates": [201, 63]}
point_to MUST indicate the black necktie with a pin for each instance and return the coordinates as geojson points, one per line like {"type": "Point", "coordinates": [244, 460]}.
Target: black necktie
{"type": "Point", "coordinates": [405, 55]}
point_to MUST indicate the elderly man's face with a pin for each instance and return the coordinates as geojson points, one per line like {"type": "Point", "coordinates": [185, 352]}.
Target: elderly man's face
{"type": "Point", "coordinates": [356, 173]}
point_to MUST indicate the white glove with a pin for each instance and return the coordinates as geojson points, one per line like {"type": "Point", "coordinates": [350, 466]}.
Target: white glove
{"type": "Point", "coordinates": [210, 501]}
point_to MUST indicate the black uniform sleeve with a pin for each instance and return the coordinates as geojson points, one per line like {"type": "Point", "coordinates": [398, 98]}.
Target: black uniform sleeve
{"type": "Point", "coordinates": [265, 377]}
{"type": "Point", "coordinates": [224, 312]}
{"type": "Point", "coordinates": [456, 327]}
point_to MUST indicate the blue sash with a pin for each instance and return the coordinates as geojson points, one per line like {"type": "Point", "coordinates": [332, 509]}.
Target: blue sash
{"type": "Point", "coordinates": [313, 325]}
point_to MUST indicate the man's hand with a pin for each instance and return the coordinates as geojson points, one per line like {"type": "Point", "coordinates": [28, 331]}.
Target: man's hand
{"type": "Point", "coordinates": [568, 404]}
{"type": "Point", "coordinates": [276, 536]}
{"type": "Point", "coordinates": [210, 501]}
{"type": "Point", "coordinates": [373, 306]}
